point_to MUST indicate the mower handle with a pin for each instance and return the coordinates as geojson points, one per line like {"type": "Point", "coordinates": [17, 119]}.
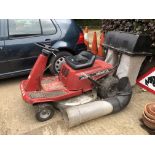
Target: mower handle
{"type": "Point", "coordinates": [46, 47]}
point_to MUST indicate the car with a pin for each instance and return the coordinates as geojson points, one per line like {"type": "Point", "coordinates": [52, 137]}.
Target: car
{"type": "Point", "coordinates": [18, 51]}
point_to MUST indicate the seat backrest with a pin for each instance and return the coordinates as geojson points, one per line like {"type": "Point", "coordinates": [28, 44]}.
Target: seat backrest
{"type": "Point", "coordinates": [83, 60]}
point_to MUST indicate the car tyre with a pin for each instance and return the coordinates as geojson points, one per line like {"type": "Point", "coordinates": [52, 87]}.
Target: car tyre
{"type": "Point", "coordinates": [56, 62]}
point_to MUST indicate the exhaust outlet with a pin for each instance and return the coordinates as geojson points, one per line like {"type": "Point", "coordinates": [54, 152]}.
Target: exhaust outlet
{"type": "Point", "coordinates": [76, 115]}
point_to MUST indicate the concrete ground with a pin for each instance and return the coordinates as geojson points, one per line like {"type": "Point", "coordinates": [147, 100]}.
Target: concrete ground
{"type": "Point", "coordinates": [17, 117]}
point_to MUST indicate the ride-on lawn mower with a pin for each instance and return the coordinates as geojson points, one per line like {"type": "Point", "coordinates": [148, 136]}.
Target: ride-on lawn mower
{"type": "Point", "coordinates": [84, 73]}
{"type": "Point", "coordinates": [80, 74]}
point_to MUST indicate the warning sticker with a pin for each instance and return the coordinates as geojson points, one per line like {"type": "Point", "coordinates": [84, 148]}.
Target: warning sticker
{"type": "Point", "coordinates": [147, 81]}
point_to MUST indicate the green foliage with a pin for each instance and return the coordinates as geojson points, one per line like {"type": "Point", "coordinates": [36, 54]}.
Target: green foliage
{"type": "Point", "coordinates": [91, 23]}
{"type": "Point", "coordinates": [137, 26]}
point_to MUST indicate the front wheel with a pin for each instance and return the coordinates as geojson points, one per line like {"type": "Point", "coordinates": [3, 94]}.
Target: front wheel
{"type": "Point", "coordinates": [56, 62]}
{"type": "Point", "coordinates": [44, 112]}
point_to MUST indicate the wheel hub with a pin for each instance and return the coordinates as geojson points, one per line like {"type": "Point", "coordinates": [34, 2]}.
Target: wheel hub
{"type": "Point", "coordinates": [58, 63]}
{"type": "Point", "coordinates": [45, 113]}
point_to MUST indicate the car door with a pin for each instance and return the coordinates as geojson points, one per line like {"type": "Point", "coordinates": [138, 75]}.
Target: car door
{"type": "Point", "coordinates": [20, 50]}
{"type": "Point", "coordinates": [3, 33]}
{"type": "Point", "coordinates": [2, 57]}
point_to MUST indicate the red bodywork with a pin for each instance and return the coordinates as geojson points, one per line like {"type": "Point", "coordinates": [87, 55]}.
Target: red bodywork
{"type": "Point", "coordinates": [67, 84]}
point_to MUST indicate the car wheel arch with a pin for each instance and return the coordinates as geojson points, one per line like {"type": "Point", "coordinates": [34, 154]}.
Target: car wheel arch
{"type": "Point", "coordinates": [64, 50]}
{"type": "Point", "coordinates": [57, 61]}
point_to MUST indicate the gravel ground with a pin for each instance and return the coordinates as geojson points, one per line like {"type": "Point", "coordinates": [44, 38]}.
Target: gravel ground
{"type": "Point", "coordinates": [17, 117]}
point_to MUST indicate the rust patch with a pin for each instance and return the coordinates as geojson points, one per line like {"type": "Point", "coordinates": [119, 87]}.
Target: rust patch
{"type": "Point", "coordinates": [51, 84]}
{"type": "Point", "coordinates": [47, 80]}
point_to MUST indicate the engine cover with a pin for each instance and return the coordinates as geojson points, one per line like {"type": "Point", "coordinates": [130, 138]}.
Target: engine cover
{"type": "Point", "coordinates": [77, 79]}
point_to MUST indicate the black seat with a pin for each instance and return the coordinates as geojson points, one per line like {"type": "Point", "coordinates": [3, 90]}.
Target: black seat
{"type": "Point", "coordinates": [83, 60]}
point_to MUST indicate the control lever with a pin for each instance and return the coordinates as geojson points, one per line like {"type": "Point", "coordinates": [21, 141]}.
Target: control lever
{"type": "Point", "coordinates": [97, 84]}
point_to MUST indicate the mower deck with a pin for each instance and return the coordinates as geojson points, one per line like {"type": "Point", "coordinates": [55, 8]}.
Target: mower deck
{"type": "Point", "coordinates": [52, 89]}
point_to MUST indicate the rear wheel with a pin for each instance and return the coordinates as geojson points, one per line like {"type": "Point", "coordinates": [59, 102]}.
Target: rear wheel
{"type": "Point", "coordinates": [44, 112]}
{"type": "Point", "coordinates": [56, 62]}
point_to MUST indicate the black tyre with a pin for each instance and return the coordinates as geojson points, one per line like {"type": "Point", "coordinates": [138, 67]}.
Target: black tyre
{"type": "Point", "coordinates": [58, 61]}
{"type": "Point", "coordinates": [44, 112]}
{"type": "Point", "coordinates": [108, 87]}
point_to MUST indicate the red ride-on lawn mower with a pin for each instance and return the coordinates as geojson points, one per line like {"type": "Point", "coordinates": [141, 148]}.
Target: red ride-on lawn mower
{"type": "Point", "coordinates": [80, 74]}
